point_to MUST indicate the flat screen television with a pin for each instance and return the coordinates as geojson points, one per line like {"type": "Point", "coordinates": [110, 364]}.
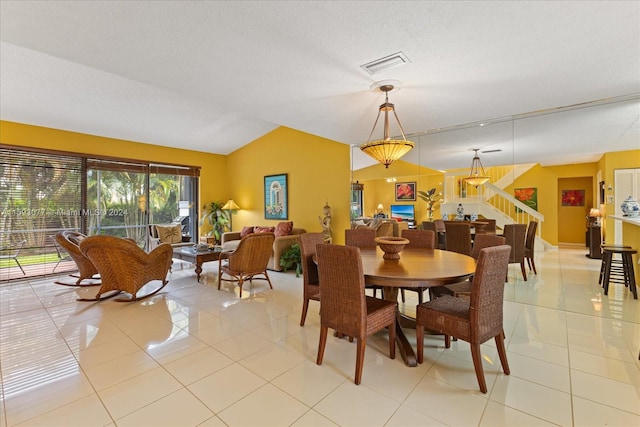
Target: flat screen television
{"type": "Point", "coordinates": [403, 212]}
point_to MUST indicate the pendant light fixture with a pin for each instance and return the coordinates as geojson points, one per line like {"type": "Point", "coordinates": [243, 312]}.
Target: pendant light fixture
{"type": "Point", "coordinates": [387, 150]}
{"type": "Point", "coordinates": [477, 176]}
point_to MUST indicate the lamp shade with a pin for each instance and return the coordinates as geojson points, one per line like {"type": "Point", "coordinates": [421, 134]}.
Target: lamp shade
{"type": "Point", "coordinates": [387, 150]}
{"type": "Point", "coordinates": [595, 213]}
{"type": "Point", "coordinates": [477, 176]}
{"type": "Point", "coordinates": [230, 206]}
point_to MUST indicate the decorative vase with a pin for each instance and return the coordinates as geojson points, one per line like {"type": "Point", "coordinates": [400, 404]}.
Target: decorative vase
{"type": "Point", "coordinates": [630, 207]}
{"type": "Point", "coordinates": [391, 246]}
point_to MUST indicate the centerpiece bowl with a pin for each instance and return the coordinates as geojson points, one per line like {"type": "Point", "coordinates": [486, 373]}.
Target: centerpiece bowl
{"type": "Point", "coordinates": [391, 246]}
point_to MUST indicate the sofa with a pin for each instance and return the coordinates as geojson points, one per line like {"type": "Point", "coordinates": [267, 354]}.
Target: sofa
{"type": "Point", "coordinates": [285, 234]}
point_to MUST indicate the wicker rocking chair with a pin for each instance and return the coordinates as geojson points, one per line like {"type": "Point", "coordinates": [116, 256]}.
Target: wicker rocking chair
{"type": "Point", "coordinates": [70, 241]}
{"type": "Point", "coordinates": [125, 267]}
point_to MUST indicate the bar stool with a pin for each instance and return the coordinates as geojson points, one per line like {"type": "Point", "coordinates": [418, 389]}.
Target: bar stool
{"type": "Point", "coordinates": [618, 271]}
{"type": "Point", "coordinates": [616, 263]}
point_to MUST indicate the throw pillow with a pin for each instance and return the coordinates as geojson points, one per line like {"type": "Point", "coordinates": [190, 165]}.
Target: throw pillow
{"type": "Point", "coordinates": [245, 231]}
{"type": "Point", "coordinates": [283, 228]}
{"type": "Point", "coordinates": [263, 229]}
{"type": "Point", "coordinates": [169, 233]}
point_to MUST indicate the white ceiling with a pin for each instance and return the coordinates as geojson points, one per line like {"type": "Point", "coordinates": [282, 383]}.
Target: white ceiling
{"type": "Point", "coordinates": [215, 75]}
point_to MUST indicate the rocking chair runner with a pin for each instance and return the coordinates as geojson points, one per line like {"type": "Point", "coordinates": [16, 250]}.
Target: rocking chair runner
{"type": "Point", "coordinates": [124, 266]}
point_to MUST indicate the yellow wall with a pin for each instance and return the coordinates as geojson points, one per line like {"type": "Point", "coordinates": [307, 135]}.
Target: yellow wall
{"type": "Point", "coordinates": [318, 172]}
{"type": "Point", "coordinates": [212, 166]}
{"type": "Point", "coordinates": [572, 220]}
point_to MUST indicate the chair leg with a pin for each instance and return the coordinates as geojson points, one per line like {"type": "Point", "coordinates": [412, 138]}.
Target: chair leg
{"type": "Point", "coordinates": [420, 296]}
{"type": "Point", "coordinates": [447, 341]}
{"type": "Point", "coordinates": [533, 264]}
{"type": "Point", "coordinates": [392, 340]}
{"type": "Point", "coordinates": [322, 343]}
{"type": "Point", "coordinates": [502, 352]}
{"type": "Point", "coordinates": [268, 279]}
{"type": "Point", "coordinates": [17, 262]}
{"type": "Point", "coordinates": [524, 270]}
{"type": "Point", "coordinates": [420, 343]}
{"type": "Point", "coordinates": [477, 364]}
{"type": "Point", "coordinates": [305, 307]}
{"type": "Point", "coordinates": [402, 295]}
{"type": "Point", "coordinates": [361, 345]}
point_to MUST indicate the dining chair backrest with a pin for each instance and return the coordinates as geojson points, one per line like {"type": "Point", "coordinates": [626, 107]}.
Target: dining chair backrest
{"type": "Point", "coordinates": [487, 293]}
{"type": "Point", "coordinates": [482, 241]}
{"type": "Point", "coordinates": [308, 243]}
{"type": "Point", "coordinates": [515, 235]}
{"type": "Point", "coordinates": [343, 305]}
{"type": "Point", "coordinates": [439, 225]}
{"type": "Point", "coordinates": [420, 239]}
{"type": "Point", "coordinates": [530, 240]}
{"type": "Point", "coordinates": [385, 229]}
{"type": "Point", "coordinates": [428, 225]}
{"type": "Point", "coordinates": [363, 238]}
{"type": "Point", "coordinates": [458, 237]}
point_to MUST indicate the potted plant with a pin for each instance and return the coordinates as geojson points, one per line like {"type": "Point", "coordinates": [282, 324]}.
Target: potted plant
{"type": "Point", "coordinates": [291, 257]}
{"type": "Point", "coordinates": [433, 199]}
{"type": "Point", "coordinates": [217, 218]}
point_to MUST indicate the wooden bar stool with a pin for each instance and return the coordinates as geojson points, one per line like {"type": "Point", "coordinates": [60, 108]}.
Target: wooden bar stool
{"type": "Point", "coordinates": [618, 273]}
{"type": "Point", "coordinates": [616, 263]}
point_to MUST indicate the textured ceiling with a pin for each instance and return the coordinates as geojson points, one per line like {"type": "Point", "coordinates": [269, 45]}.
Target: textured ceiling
{"type": "Point", "coordinates": [213, 76]}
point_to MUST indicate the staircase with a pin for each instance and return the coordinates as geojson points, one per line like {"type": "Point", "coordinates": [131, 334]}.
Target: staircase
{"type": "Point", "coordinates": [491, 201]}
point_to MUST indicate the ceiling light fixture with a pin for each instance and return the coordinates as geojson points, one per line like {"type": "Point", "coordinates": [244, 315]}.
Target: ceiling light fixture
{"type": "Point", "coordinates": [477, 176]}
{"type": "Point", "coordinates": [387, 150]}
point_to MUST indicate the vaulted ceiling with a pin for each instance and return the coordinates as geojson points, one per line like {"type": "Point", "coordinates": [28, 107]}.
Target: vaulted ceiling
{"type": "Point", "coordinates": [215, 75]}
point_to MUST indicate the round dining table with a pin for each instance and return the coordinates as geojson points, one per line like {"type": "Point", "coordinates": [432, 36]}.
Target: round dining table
{"type": "Point", "coordinates": [416, 268]}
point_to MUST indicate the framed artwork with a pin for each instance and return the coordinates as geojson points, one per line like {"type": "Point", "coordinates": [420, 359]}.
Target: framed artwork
{"type": "Point", "coordinates": [276, 201]}
{"type": "Point", "coordinates": [405, 192]}
{"type": "Point", "coordinates": [528, 196]}
{"type": "Point", "coordinates": [572, 197]}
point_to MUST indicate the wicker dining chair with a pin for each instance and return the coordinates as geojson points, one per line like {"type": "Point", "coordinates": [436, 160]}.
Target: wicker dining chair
{"type": "Point", "coordinates": [344, 305]}
{"type": "Point", "coordinates": [475, 320]}
{"type": "Point", "coordinates": [248, 261]}
{"type": "Point", "coordinates": [311, 285]}
{"type": "Point", "coordinates": [125, 267]}
{"type": "Point", "coordinates": [363, 238]}
{"type": "Point", "coordinates": [418, 239]}
{"type": "Point", "coordinates": [70, 241]}
{"type": "Point", "coordinates": [529, 245]}
{"type": "Point", "coordinates": [464, 287]}
{"type": "Point", "coordinates": [458, 237]}
{"type": "Point", "coordinates": [516, 236]}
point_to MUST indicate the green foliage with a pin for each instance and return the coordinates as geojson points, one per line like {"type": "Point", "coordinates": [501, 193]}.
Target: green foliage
{"type": "Point", "coordinates": [291, 257]}
{"type": "Point", "coordinates": [217, 218]}
{"type": "Point", "coordinates": [432, 198]}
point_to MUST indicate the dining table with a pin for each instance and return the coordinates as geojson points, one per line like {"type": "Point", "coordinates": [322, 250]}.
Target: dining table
{"type": "Point", "coordinates": [419, 268]}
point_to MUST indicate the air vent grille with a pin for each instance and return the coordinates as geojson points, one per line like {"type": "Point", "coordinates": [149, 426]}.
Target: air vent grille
{"type": "Point", "coordinates": [383, 64]}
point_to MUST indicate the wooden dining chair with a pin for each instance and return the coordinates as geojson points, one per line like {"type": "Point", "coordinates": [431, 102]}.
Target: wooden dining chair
{"type": "Point", "coordinates": [458, 237]}
{"type": "Point", "coordinates": [310, 283]}
{"type": "Point", "coordinates": [529, 245]}
{"type": "Point", "coordinates": [418, 239]}
{"type": "Point", "coordinates": [475, 320]}
{"type": "Point", "coordinates": [344, 306]}
{"type": "Point", "coordinates": [248, 261]}
{"type": "Point", "coordinates": [464, 287]}
{"type": "Point", "coordinates": [516, 236]}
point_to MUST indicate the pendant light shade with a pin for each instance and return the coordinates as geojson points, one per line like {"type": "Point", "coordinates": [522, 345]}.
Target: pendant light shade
{"type": "Point", "coordinates": [387, 150]}
{"type": "Point", "coordinates": [477, 176]}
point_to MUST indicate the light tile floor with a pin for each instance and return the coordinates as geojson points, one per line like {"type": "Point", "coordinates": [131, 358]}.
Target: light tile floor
{"type": "Point", "coordinates": [196, 356]}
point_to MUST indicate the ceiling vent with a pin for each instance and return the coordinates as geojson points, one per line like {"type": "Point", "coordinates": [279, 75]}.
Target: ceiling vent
{"type": "Point", "coordinates": [383, 64]}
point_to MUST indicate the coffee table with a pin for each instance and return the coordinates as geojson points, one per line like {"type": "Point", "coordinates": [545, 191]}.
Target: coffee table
{"type": "Point", "coordinates": [197, 257]}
